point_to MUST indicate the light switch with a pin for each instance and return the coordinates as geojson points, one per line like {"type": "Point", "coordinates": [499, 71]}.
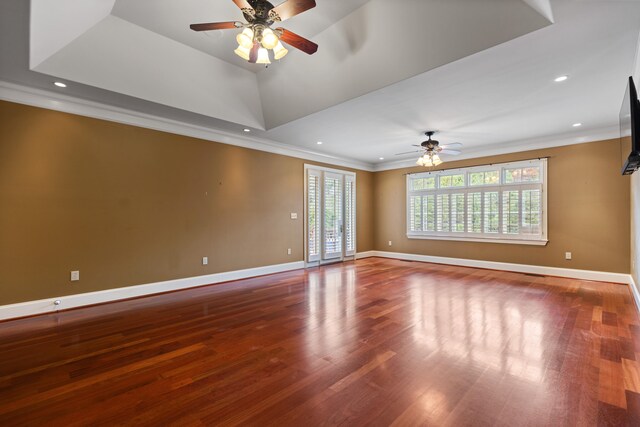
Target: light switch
{"type": "Point", "coordinates": [567, 255]}
{"type": "Point", "coordinates": [75, 276]}
{"type": "Point", "coordinates": [294, 215]}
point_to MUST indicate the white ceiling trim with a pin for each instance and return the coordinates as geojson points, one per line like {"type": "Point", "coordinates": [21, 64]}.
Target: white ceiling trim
{"type": "Point", "coordinates": [54, 101]}
{"type": "Point", "coordinates": [516, 147]}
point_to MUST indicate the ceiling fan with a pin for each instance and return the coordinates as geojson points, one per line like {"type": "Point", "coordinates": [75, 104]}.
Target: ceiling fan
{"type": "Point", "coordinates": [431, 150]}
{"type": "Point", "coordinates": [258, 37]}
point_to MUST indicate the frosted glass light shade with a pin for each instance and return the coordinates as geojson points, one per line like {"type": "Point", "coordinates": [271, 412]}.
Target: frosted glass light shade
{"type": "Point", "coordinates": [242, 52]}
{"type": "Point", "coordinates": [245, 38]}
{"type": "Point", "coordinates": [279, 51]}
{"type": "Point", "coordinates": [263, 56]}
{"type": "Point", "coordinates": [269, 39]}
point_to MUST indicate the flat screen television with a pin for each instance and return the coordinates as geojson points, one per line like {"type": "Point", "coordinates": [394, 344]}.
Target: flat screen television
{"type": "Point", "coordinates": [630, 128]}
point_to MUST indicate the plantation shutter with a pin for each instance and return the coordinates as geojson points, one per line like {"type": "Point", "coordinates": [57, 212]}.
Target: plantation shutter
{"type": "Point", "coordinates": [501, 203]}
{"type": "Point", "coordinates": [350, 215]}
{"type": "Point", "coordinates": [313, 215]}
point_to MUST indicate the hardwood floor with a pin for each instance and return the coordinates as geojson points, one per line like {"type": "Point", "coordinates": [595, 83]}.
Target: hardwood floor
{"type": "Point", "coordinates": [379, 342]}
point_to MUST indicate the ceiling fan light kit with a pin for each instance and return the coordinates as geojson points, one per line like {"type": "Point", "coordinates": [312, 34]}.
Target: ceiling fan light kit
{"type": "Point", "coordinates": [257, 37]}
{"type": "Point", "coordinates": [431, 149]}
{"type": "Point", "coordinates": [429, 160]}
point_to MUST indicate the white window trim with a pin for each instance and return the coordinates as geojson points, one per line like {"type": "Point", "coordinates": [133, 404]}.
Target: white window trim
{"type": "Point", "coordinates": [541, 240]}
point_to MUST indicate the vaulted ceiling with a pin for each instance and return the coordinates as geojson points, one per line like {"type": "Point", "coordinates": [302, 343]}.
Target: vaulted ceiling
{"type": "Point", "coordinates": [480, 71]}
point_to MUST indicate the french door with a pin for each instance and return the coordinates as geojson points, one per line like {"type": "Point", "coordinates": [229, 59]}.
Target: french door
{"type": "Point", "coordinates": [330, 215]}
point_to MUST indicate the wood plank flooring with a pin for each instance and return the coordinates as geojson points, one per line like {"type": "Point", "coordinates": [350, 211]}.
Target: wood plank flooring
{"type": "Point", "coordinates": [372, 342]}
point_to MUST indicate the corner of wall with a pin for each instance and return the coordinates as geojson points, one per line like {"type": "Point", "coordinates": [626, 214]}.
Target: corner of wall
{"type": "Point", "coordinates": [635, 201]}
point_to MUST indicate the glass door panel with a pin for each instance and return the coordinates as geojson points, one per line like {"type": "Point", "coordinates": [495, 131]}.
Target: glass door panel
{"type": "Point", "coordinates": [333, 220]}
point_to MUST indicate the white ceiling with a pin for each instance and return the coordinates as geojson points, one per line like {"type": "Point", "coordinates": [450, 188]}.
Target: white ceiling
{"type": "Point", "coordinates": [504, 95]}
{"type": "Point", "coordinates": [480, 71]}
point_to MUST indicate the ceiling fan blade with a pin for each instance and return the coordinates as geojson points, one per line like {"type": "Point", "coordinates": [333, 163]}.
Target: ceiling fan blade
{"type": "Point", "coordinates": [450, 152]}
{"type": "Point", "coordinates": [215, 26]}
{"type": "Point", "coordinates": [292, 8]}
{"type": "Point", "coordinates": [408, 152]}
{"type": "Point", "coordinates": [452, 145]}
{"type": "Point", "coordinates": [242, 4]}
{"type": "Point", "coordinates": [253, 54]}
{"type": "Point", "coordinates": [299, 42]}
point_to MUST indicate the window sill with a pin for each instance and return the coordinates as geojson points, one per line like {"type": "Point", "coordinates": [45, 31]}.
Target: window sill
{"type": "Point", "coordinates": [481, 240]}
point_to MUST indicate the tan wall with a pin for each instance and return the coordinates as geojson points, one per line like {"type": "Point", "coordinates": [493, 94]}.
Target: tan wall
{"type": "Point", "coordinates": [588, 201]}
{"type": "Point", "coordinates": [127, 206]}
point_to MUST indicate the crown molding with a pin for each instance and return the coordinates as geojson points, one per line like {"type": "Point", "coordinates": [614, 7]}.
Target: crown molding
{"type": "Point", "coordinates": [68, 104]}
{"type": "Point", "coordinates": [573, 138]}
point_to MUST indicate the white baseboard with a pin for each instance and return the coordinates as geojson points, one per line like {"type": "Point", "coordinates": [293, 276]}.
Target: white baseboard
{"type": "Point", "coordinates": [635, 292]}
{"type": "Point", "coordinates": [599, 276]}
{"type": "Point", "coordinates": [31, 308]}
{"type": "Point", "coordinates": [369, 254]}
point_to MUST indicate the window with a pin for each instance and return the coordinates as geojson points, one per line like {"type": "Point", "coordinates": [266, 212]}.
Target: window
{"type": "Point", "coordinates": [501, 203]}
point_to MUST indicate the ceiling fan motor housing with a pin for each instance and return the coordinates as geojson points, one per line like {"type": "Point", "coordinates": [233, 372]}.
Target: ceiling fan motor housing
{"type": "Point", "coordinates": [263, 13]}
{"type": "Point", "coordinates": [430, 144]}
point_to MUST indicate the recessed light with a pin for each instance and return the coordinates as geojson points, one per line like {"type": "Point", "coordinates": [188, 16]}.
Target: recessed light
{"type": "Point", "coordinates": [319, 142]}
{"type": "Point", "coordinates": [577, 125]}
{"type": "Point", "coordinates": [60, 84]}
{"type": "Point", "coordinates": [561, 79]}
{"type": "Point", "coordinates": [381, 158]}
{"type": "Point", "coordinates": [247, 130]}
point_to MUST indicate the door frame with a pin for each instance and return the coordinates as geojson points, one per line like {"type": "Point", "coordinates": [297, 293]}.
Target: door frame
{"type": "Point", "coordinates": [344, 173]}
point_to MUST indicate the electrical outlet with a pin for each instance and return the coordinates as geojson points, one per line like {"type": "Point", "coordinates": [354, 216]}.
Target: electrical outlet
{"type": "Point", "coordinates": [205, 260]}
{"type": "Point", "coordinates": [567, 255]}
{"type": "Point", "coordinates": [75, 276]}
{"type": "Point", "coordinates": [294, 215]}
{"type": "Point", "coordinates": [389, 242]}
{"type": "Point", "coordinates": [289, 251]}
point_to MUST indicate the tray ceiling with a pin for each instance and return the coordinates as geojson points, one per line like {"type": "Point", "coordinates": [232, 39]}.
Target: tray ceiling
{"type": "Point", "coordinates": [480, 71]}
